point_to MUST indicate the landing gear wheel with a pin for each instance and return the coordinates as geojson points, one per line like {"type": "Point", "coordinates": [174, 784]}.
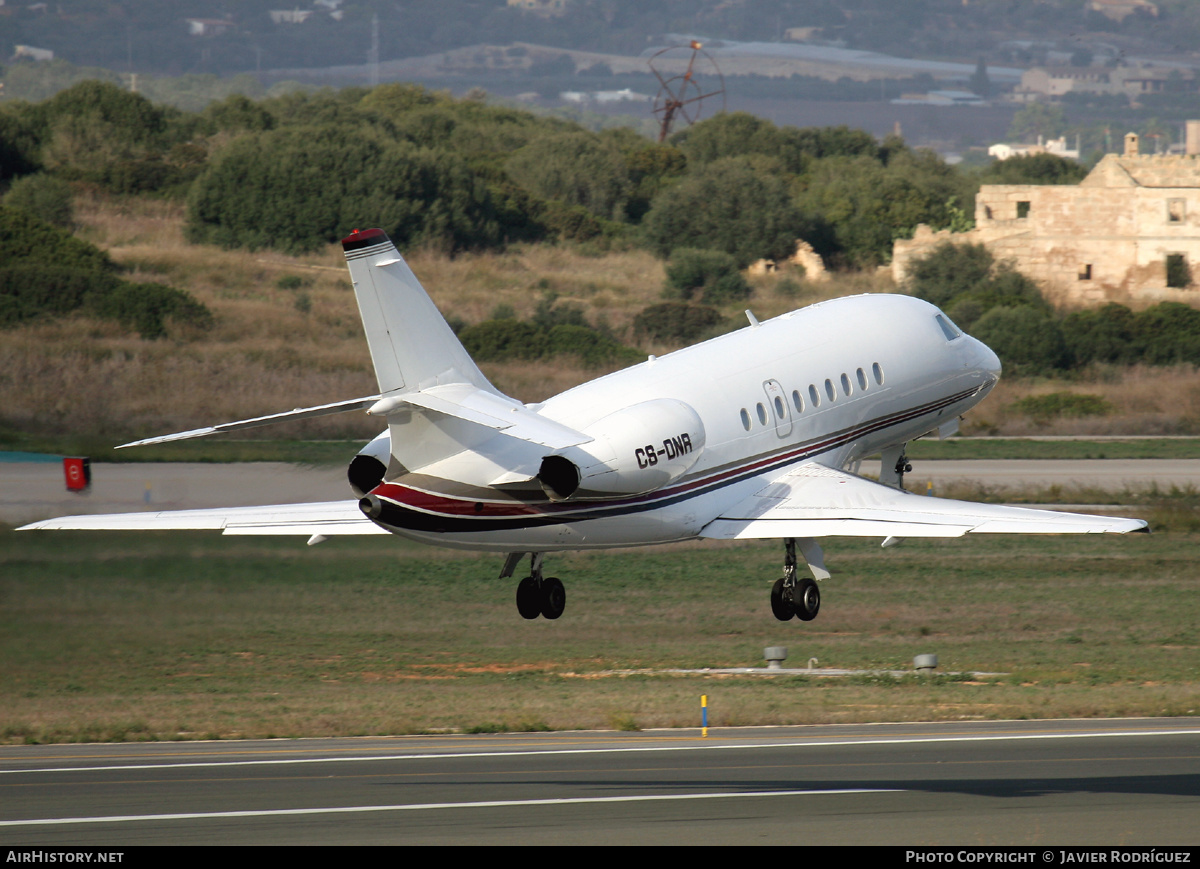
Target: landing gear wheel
{"type": "Point", "coordinates": [553, 598]}
{"type": "Point", "coordinates": [806, 599]}
{"type": "Point", "coordinates": [781, 606]}
{"type": "Point", "coordinates": [529, 598]}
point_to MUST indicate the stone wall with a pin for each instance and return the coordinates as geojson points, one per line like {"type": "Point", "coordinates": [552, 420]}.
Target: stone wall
{"type": "Point", "coordinates": [1105, 239]}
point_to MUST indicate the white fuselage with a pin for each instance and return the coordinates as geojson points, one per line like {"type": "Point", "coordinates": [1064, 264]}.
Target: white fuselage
{"type": "Point", "coordinates": [833, 382]}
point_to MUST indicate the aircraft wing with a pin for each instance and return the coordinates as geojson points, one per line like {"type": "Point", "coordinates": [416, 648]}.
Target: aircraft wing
{"type": "Point", "coordinates": [327, 518]}
{"type": "Point", "coordinates": [813, 500]}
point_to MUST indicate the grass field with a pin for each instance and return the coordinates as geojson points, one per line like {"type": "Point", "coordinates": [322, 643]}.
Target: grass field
{"type": "Point", "coordinates": [180, 636]}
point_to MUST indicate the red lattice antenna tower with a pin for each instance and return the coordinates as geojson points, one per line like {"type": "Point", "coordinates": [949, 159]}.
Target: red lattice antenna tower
{"type": "Point", "coordinates": [682, 95]}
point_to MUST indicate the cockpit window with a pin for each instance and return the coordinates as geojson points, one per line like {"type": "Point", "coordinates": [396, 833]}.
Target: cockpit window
{"type": "Point", "coordinates": [948, 329]}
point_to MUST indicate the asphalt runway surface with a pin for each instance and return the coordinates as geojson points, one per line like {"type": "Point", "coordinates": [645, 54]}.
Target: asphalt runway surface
{"type": "Point", "coordinates": [37, 490]}
{"type": "Point", "coordinates": [1122, 782]}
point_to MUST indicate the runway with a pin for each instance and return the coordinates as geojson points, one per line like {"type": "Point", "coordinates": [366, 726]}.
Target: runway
{"type": "Point", "coordinates": [1117, 782]}
{"type": "Point", "coordinates": [36, 490]}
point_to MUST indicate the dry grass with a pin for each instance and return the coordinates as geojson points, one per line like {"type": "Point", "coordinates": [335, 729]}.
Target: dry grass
{"type": "Point", "coordinates": [1148, 400]}
{"type": "Point", "coordinates": [275, 348]}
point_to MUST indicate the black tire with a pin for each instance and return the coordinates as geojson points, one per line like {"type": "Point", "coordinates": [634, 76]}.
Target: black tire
{"type": "Point", "coordinates": [806, 598]}
{"type": "Point", "coordinates": [781, 607]}
{"type": "Point", "coordinates": [529, 599]}
{"type": "Point", "coordinates": [554, 597]}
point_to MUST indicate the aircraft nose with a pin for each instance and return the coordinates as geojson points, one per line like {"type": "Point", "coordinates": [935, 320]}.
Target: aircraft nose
{"type": "Point", "coordinates": [988, 360]}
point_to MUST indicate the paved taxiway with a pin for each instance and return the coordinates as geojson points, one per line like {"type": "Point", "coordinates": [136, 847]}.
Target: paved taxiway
{"type": "Point", "coordinates": [1124, 782]}
{"type": "Point", "coordinates": [36, 490]}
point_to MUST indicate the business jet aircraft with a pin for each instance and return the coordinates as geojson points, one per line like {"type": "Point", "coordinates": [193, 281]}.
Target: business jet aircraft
{"type": "Point", "coordinates": [754, 434]}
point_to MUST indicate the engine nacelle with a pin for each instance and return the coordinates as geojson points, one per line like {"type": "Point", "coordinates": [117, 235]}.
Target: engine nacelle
{"type": "Point", "coordinates": [368, 467]}
{"type": "Point", "coordinates": [636, 450]}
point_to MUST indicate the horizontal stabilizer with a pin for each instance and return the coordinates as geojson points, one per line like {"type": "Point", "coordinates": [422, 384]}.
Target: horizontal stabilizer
{"type": "Point", "coordinates": [298, 413]}
{"type": "Point", "coordinates": [813, 500]}
{"type": "Point", "coordinates": [505, 415]}
{"type": "Point", "coordinates": [460, 400]}
{"type": "Point", "coordinates": [328, 518]}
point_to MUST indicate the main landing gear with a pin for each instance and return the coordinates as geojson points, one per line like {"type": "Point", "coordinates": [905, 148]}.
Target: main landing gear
{"type": "Point", "coordinates": [536, 595]}
{"type": "Point", "coordinates": [799, 596]}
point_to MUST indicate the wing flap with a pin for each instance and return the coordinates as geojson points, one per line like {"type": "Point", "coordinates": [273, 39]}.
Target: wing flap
{"type": "Point", "coordinates": [327, 518]}
{"type": "Point", "coordinates": [813, 500]}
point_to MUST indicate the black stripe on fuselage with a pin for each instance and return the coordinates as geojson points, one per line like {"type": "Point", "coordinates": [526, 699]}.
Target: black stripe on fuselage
{"type": "Point", "coordinates": [408, 518]}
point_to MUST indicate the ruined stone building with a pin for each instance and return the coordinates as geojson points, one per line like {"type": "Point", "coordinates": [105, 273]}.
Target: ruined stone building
{"type": "Point", "coordinates": [1129, 232]}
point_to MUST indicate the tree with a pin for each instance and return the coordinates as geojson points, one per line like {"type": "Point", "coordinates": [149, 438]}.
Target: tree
{"type": "Point", "coordinates": [578, 168]}
{"type": "Point", "coordinates": [948, 271]}
{"type": "Point", "coordinates": [860, 207]}
{"type": "Point", "coordinates": [298, 188]}
{"type": "Point", "coordinates": [1033, 169]}
{"type": "Point", "coordinates": [1037, 119]}
{"type": "Point", "coordinates": [725, 206]}
{"type": "Point", "coordinates": [710, 276]}
{"type": "Point", "coordinates": [981, 84]}
{"type": "Point", "coordinates": [1026, 340]}
{"type": "Point", "coordinates": [1106, 334]}
{"type": "Point", "coordinates": [45, 197]}
{"type": "Point", "coordinates": [737, 134]}
{"type": "Point", "coordinates": [966, 282]}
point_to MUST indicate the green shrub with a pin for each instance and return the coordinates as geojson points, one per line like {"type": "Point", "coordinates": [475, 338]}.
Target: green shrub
{"type": "Point", "coordinates": [729, 206]}
{"type": "Point", "coordinates": [25, 238]}
{"type": "Point", "coordinates": [676, 321]}
{"type": "Point", "coordinates": [501, 340]}
{"type": "Point", "coordinates": [1168, 333]}
{"type": "Point", "coordinates": [1106, 334]}
{"type": "Point", "coordinates": [289, 282]}
{"type": "Point", "coordinates": [45, 197]}
{"type": "Point", "coordinates": [146, 308]}
{"type": "Point", "coordinates": [948, 271]}
{"type": "Point", "coordinates": [298, 188]}
{"type": "Point", "coordinates": [1034, 169]}
{"type": "Point", "coordinates": [575, 167]}
{"type": "Point", "coordinates": [48, 272]}
{"type": "Point", "coordinates": [590, 345]}
{"type": "Point", "coordinates": [498, 340]}
{"type": "Point", "coordinates": [711, 276]}
{"type": "Point", "coordinates": [1027, 340]}
{"type": "Point", "coordinates": [31, 290]}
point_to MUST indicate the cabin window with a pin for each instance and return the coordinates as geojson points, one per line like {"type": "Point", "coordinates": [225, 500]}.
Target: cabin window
{"type": "Point", "coordinates": [797, 401]}
{"type": "Point", "coordinates": [813, 395]}
{"type": "Point", "coordinates": [862, 379]}
{"type": "Point", "coordinates": [1085, 272]}
{"type": "Point", "coordinates": [762, 413]}
{"type": "Point", "coordinates": [846, 385]}
{"type": "Point", "coordinates": [780, 408]}
{"type": "Point", "coordinates": [1022, 210]}
{"type": "Point", "coordinates": [1176, 210]}
{"type": "Point", "coordinates": [1178, 272]}
{"type": "Point", "coordinates": [745, 420]}
{"type": "Point", "coordinates": [829, 390]}
{"type": "Point", "coordinates": [878, 372]}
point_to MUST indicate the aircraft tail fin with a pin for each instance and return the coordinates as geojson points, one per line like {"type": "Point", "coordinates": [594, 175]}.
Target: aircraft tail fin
{"type": "Point", "coordinates": [412, 345]}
